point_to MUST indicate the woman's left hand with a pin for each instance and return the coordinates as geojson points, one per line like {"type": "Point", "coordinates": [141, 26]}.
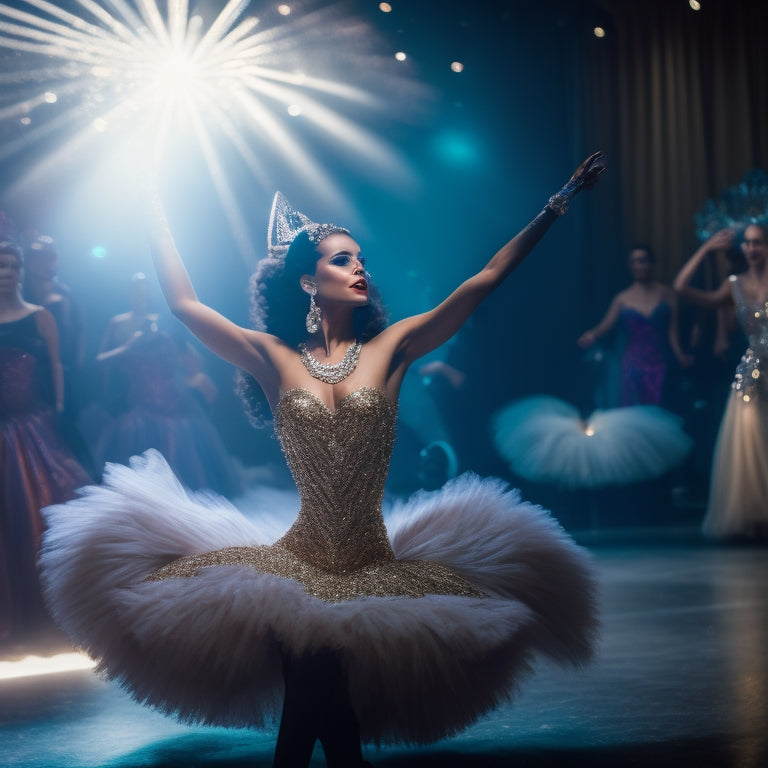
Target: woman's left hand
{"type": "Point", "coordinates": [584, 177]}
{"type": "Point", "coordinates": [587, 174]}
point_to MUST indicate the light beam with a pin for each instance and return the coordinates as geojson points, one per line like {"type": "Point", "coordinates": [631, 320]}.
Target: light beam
{"type": "Point", "coordinates": [142, 74]}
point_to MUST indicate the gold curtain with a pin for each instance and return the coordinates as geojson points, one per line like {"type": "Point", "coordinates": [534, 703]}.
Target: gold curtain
{"type": "Point", "coordinates": [690, 107]}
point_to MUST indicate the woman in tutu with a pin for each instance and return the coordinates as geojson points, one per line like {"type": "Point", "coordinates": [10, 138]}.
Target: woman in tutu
{"type": "Point", "coordinates": [737, 505]}
{"type": "Point", "coordinates": [400, 635]}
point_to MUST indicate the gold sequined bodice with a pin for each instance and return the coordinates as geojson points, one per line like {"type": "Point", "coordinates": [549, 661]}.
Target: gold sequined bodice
{"type": "Point", "coordinates": [339, 460]}
{"type": "Point", "coordinates": [338, 547]}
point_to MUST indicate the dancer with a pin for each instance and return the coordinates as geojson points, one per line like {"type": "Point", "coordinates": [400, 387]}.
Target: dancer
{"type": "Point", "coordinates": [739, 485]}
{"type": "Point", "coordinates": [156, 407]}
{"type": "Point", "coordinates": [36, 467]}
{"type": "Point", "coordinates": [42, 286]}
{"type": "Point", "coordinates": [647, 315]}
{"type": "Point", "coordinates": [406, 635]}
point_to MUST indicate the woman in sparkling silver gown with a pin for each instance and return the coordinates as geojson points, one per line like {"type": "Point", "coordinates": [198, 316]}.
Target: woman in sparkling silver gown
{"type": "Point", "coordinates": [349, 629]}
{"type": "Point", "coordinates": [738, 498]}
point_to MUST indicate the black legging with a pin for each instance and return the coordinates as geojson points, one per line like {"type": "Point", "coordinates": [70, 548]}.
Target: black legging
{"type": "Point", "coordinates": [316, 706]}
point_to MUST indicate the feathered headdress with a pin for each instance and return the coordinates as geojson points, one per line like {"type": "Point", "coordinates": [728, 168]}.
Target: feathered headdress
{"type": "Point", "coordinates": [738, 207]}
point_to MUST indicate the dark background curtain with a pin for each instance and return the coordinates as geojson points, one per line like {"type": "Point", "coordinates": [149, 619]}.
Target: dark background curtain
{"type": "Point", "coordinates": [679, 100]}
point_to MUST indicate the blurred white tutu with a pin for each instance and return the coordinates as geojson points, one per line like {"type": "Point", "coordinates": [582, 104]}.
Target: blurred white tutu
{"type": "Point", "coordinates": [545, 440]}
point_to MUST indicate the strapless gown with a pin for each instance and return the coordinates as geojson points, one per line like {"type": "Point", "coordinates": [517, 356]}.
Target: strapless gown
{"type": "Point", "coordinates": [36, 469]}
{"type": "Point", "coordinates": [436, 617]}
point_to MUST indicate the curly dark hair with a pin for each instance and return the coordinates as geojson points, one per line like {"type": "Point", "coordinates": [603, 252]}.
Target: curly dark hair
{"type": "Point", "coordinates": [279, 306]}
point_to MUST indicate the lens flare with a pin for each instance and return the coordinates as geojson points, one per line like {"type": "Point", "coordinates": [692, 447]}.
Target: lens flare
{"type": "Point", "coordinates": [146, 74]}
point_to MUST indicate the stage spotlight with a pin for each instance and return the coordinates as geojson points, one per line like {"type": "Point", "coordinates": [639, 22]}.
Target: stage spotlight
{"type": "Point", "coordinates": [400, 56]}
{"type": "Point", "coordinates": [139, 77]}
{"type": "Point", "coordinates": [385, 7]}
{"type": "Point", "coordinates": [50, 98]}
{"type": "Point", "coordinates": [99, 252]}
{"type": "Point", "coordinates": [695, 4]}
{"type": "Point", "coordinates": [598, 32]}
{"type": "Point", "coordinates": [457, 148]}
{"type": "Point", "coordinates": [26, 121]}
{"type": "Point", "coordinates": [294, 110]}
{"type": "Point", "coordinates": [33, 666]}
{"type": "Point", "coordinates": [457, 66]}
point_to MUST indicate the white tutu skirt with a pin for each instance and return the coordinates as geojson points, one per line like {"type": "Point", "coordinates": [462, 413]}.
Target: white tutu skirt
{"type": "Point", "coordinates": [208, 648]}
{"type": "Point", "coordinates": [544, 439]}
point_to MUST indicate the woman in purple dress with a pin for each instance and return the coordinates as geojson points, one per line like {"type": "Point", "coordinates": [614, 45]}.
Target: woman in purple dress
{"type": "Point", "coordinates": [646, 313]}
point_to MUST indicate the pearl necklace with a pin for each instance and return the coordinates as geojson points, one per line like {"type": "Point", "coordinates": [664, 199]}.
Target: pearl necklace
{"type": "Point", "coordinates": [335, 372]}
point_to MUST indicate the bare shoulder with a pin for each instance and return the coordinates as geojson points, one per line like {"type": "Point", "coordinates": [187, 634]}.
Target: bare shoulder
{"type": "Point", "coordinates": [727, 286]}
{"type": "Point", "coordinates": [46, 323]}
{"type": "Point", "coordinates": [261, 340]}
{"type": "Point", "coordinates": [268, 354]}
{"type": "Point", "coordinates": [621, 298]}
{"type": "Point", "coordinates": [394, 335]}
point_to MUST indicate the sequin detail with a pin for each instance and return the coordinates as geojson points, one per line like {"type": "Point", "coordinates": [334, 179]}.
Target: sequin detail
{"type": "Point", "coordinates": [749, 380]}
{"type": "Point", "coordinates": [337, 548]}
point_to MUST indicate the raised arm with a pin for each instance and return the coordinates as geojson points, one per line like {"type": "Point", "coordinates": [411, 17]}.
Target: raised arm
{"type": "Point", "coordinates": [420, 334]}
{"type": "Point", "coordinates": [243, 347]}
{"type": "Point", "coordinates": [719, 297]}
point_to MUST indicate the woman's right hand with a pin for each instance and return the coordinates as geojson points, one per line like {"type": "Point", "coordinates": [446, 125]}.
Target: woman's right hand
{"type": "Point", "coordinates": [587, 339]}
{"type": "Point", "coordinates": [721, 241]}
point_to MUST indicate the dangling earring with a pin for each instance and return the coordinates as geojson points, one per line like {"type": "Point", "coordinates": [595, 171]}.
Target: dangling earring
{"type": "Point", "coordinates": [313, 316]}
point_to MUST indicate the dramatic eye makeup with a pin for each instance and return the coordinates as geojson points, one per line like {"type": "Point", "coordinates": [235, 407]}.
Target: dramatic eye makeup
{"type": "Point", "coordinates": [342, 259]}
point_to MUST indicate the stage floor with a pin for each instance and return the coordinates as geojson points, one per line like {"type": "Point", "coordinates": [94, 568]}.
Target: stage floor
{"type": "Point", "coordinates": [681, 679]}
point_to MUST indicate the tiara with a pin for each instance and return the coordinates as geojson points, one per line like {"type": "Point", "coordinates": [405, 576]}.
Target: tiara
{"type": "Point", "coordinates": [285, 222]}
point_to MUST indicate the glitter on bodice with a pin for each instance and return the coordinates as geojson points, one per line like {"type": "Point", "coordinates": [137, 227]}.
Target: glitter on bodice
{"type": "Point", "coordinates": [753, 319]}
{"type": "Point", "coordinates": [339, 460]}
{"type": "Point", "coordinates": [338, 547]}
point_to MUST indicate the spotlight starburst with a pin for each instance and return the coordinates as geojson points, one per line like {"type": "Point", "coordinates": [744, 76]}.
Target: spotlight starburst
{"type": "Point", "coordinates": [142, 70]}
